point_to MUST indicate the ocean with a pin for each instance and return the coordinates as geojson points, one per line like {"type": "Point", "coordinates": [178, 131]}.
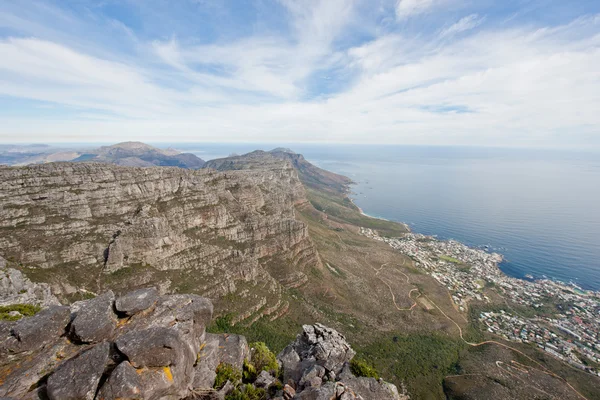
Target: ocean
{"type": "Point", "coordinates": [540, 209]}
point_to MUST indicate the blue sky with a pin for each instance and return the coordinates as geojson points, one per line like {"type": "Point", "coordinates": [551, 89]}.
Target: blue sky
{"type": "Point", "coordinates": [474, 72]}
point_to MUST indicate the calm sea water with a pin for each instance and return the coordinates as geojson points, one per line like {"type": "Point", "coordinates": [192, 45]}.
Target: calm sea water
{"type": "Point", "coordinates": [539, 208]}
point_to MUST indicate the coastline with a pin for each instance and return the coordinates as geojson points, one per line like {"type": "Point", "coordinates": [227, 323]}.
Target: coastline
{"type": "Point", "coordinates": [361, 211]}
{"type": "Point", "coordinates": [501, 259]}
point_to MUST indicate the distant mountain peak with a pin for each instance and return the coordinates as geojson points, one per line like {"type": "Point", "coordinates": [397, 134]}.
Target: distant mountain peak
{"type": "Point", "coordinates": [132, 145]}
{"type": "Point", "coordinates": [282, 150]}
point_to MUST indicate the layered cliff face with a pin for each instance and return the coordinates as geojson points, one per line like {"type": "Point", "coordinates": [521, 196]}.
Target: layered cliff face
{"type": "Point", "coordinates": [213, 233]}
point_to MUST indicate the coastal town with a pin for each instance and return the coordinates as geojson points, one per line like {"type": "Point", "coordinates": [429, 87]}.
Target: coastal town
{"type": "Point", "coordinates": [561, 319]}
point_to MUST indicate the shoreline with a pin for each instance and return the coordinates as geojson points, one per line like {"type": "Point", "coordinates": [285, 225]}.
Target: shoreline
{"type": "Point", "coordinates": [534, 279]}
{"type": "Point", "coordinates": [571, 285]}
{"type": "Point", "coordinates": [360, 210]}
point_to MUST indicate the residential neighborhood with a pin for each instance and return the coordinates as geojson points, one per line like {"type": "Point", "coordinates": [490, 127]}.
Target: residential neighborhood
{"type": "Point", "coordinates": [561, 319]}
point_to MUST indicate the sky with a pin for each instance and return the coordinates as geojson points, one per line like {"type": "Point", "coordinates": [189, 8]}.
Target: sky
{"type": "Point", "coordinates": [434, 72]}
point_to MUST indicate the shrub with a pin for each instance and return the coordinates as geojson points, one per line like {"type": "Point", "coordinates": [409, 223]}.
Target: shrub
{"type": "Point", "coordinates": [363, 369]}
{"type": "Point", "coordinates": [247, 392]}
{"type": "Point", "coordinates": [27, 310]}
{"type": "Point", "coordinates": [227, 372]}
{"type": "Point", "coordinates": [249, 374]}
{"type": "Point", "coordinates": [263, 359]}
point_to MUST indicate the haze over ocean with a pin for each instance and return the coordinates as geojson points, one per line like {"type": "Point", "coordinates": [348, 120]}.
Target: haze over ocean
{"type": "Point", "coordinates": [539, 208]}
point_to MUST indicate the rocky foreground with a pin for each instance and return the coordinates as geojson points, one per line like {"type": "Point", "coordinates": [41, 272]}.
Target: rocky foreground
{"type": "Point", "coordinates": [146, 346]}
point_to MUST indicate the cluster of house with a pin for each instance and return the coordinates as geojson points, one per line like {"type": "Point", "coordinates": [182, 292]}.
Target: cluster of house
{"type": "Point", "coordinates": [564, 320]}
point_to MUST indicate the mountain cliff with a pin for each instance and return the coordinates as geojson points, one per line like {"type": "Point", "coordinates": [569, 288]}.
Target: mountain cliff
{"type": "Point", "coordinates": [84, 226]}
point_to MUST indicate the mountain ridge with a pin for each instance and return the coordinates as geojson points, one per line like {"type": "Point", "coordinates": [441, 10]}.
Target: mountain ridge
{"type": "Point", "coordinates": [133, 154]}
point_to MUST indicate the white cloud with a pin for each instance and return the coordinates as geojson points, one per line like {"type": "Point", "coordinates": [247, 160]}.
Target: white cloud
{"type": "Point", "coordinates": [464, 24]}
{"type": "Point", "coordinates": [409, 8]}
{"type": "Point", "coordinates": [518, 86]}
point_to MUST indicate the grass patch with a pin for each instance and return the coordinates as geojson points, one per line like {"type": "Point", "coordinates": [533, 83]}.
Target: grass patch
{"type": "Point", "coordinates": [362, 368]}
{"type": "Point", "coordinates": [247, 392]}
{"type": "Point", "coordinates": [419, 360]}
{"type": "Point", "coordinates": [338, 207]}
{"type": "Point", "coordinates": [274, 334]}
{"type": "Point", "coordinates": [227, 372]}
{"type": "Point", "coordinates": [26, 310]}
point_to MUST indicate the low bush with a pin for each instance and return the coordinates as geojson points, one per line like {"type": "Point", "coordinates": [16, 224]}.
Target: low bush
{"type": "Point", "coordinates": [247, 392]}
{"type": "Point", "coordinates": [363, 369]}
{"type": "Point", "coordinates": [227, 372]}
{"type": "Point", "coordinates": [26, 310]}
{"type": "Point", "coordinates": [263, 359]}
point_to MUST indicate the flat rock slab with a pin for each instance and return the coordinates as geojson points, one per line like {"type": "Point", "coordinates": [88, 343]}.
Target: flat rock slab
{"type": "Point", "coordinates": [78, 378]}
{"type": "Point", "coordinates": [137, 301]}
{"type": "Point", "coordinates": [95, 320]}
{"type": "Point", "coordinates": [232, 349]}
{"type": "Point", "coordinates": [35, 332]}
{"type": "Point", "coordinates": [153, 347]}
{"type": "Point", "coordinates": [123, 383]}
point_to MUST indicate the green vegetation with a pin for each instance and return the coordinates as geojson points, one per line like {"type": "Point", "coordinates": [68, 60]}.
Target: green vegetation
{"type": "Point", "coordinates": [339, 208]}
{"type": "Point", "coordinates": [227, 372]}
{"type": "Point", "coordinates": [361, 367]}
{"type": "Point", "coordinates": [275, 334]}
{"type": "Point", "coordinates": [263, 359]}
{"type": "Point", "coordinates": [450, 259]}
{"type": "Point", "coordinates": [26, 310]}
{"type": "Point", "coordinates": [420, 360]}
{"type": "Point", "coordinates": [247, 392]}
{"type": "Point", "coordinates": [79, 296]}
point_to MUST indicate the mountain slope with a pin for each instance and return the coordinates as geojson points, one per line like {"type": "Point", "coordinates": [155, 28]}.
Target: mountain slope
{"type": "Point", "coordinates": [88, 226]}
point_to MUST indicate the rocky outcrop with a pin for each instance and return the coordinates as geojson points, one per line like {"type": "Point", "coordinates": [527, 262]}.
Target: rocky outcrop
{"type": "Point", "coordinates": [316, 365]}
{"type": "Point", "coordinates": [152, 353]}
{"type": "Point", "coordinates": [93, 227]}
{"type": "Point", "coordinates": [163, 352]}
{"type": "Point", "coordinates": [16, 288]}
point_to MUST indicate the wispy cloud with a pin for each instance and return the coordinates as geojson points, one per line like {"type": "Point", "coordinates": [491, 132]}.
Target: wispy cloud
{"type": "Point", "coordinates": [315, 71]}
{"type": "Point", "coordinates": [409, 8]}
{"type": "Point", "coordinates": [464, 24]}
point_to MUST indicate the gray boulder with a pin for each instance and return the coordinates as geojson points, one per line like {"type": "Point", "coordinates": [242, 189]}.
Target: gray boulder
{"type": "Point", "coordinates": [368, 388]}
{"type": "Point", "coordinates": [208, 360]}
{"type": "Point", "coordinates": [95, 320]}
{"type": "Point", "coordinates": [78, 378]}
{"type": "Point", "coordinates": [317, 344]}
{"type": "Point", "coordinates": [153, 347]}
{"type": "Point", "coordinates": [35, 332]}
{"type": "Point", "coordinates": [123, 383]}
{"type": "Point", "coordinates": [188, 314]}
{"type": "Point", "coordinates": [313, 376]}
{"type": "Point", "coordinates": [137, 301]}
{"type": "Point", "coordinates": [325, 392]}
{"type": "Point", "coordinates": [264, 380]}
{"type": "Point", "coordinates": [233, 349]}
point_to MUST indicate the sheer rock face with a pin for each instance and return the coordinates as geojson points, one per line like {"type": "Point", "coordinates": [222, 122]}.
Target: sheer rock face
{"type": "Point", "coordinates": [76, 225]}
